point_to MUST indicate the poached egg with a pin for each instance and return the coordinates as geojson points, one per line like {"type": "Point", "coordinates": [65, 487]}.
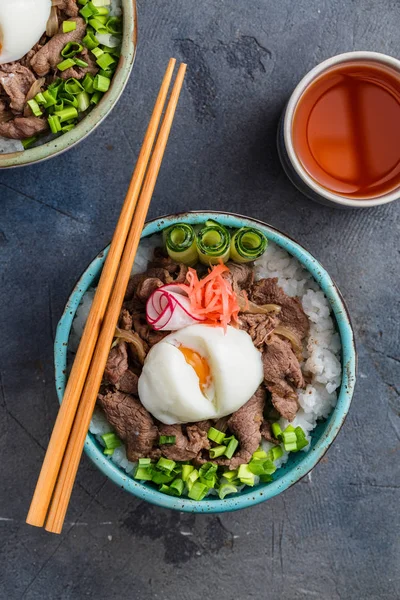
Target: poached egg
{"type": "Point", "coordinates": [22, 24]}
{"type": "Point", "coordinates": [199, 373]}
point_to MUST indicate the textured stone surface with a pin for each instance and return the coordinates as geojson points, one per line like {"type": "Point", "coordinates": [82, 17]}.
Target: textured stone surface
{"type": "Point", "coordinates": [335, 535]}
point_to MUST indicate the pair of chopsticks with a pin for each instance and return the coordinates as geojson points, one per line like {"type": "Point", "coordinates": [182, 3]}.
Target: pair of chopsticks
{"type": "Point", "coordinates": [54, 486]}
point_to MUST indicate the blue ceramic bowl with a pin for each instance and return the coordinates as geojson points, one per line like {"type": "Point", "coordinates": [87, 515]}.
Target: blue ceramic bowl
{"type": "Point", "coordinates": [298, 464]}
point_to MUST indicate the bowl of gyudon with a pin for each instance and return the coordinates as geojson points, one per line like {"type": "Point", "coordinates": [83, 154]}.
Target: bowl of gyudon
{"type": "Point", "coordinates": [231, 371]}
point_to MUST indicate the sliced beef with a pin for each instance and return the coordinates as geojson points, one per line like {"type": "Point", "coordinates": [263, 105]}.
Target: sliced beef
{"type": "Point", "coordinates": [69, 7]}
{"type": "Point", "coordinates": [292, 315]}
{"type": "Point", "coordinates": [282, 375]}
{"type": "Point", "coordinates": [80, 72]}
{"type": "Point", "coordinates": [160, 259]}
{"type": "Point", "coordinates": [132, 285]}
{"type": "Point", "coordinates": [49, 56]}
{"type": "Point", "coordinates": [266, 433]}
{"type": "Point", "coordinates": [160, 273]}
{"type": "Point", "coordinates": [16, 81]}
{"type": "Point", "coordinates": [187, 445]}
{"type": "Point", "coordinates": [259, 327]}
{"type": "Point", "coordinates": [133, 424]}
{"type": "Point", "coordinates": [240, 276]}
{"type": "Point", "coordinates": [125, 320]}
{"type": "Point", "coordinates": [147, 334]}
{"type": "Point", "coordinates": [128, 383]}
{"type": "Point", "coordinates": [147, 287]}
{"type": "Point", "coordinates": [117, 363]}
{"type": "Point", "coordinates": [23, 127]}
{"type": "Point", "coordinates": [180, 275]}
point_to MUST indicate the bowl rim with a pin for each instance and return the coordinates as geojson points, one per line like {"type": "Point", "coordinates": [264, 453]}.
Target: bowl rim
{"type": "Point", "coordinates": [304, 83]}
{"type": "Point", "coordinates": [336, 418]}
{"type": "Point", "coordinates": [92, 120]}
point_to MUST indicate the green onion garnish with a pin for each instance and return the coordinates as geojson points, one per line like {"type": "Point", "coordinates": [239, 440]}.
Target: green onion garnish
{"type": "Point", "coordinates": [302, 442]}
{"type": "Point", "coordinates": [213, 243]}
{"type": "Point", "coordinates": [215, 435]}
{"type": "Point", "coordinates": [167, 439]}
{"type": "Point", "coordinates": [54, 123]}
{"type": "Point", "coordinates": [90, 41]}
{"type": "Point", "coordinates": [105, 61]}
{"type": "Point", "coordinates": [27, 142]}
{"type": "Point", "coordinates": [245, 475]}
{"type": "Point", "coordinates": [198, 491]}
{"type": "Point", "coordinates": [165, 464]}
{"type": "Point", "coordinates": [225, 489]}
{"type": "Point", "coordinates": [208, 470]}
{"type": "Point", "coordinates": [180, 243]}
{"type": "Point", "coordinates": [88, 83]}
{"type": "Point", "coordinates": [186, 470]}
{"type": "Point", "coordinates": [97, 24]}
{"type": "Point", "coordinates": [83, 101]}
{"type": "Point", "coordinates": [68, 26]}
{"type": "Point", "coordinates": [111, 440]}
{"type": "Point", "coordinates": [65, 64]}
{"type": "Point", "coordinates": [143, 473]}
{"type": "Point", "coordinates": [247, 245]}
{"type": "Point", "coordinates": [144, 462]}
{"type": "Point", "coordinates": [230, 475]}
{"type": "Point", "coordinates": [231, 448]}
{"type": "Point", "coordinates": [86, 12]}
{"type": "Point", "coordinates": [217, 451]}
{"type": "Point", "coordinates": [80, 63]}
{"type": "Point", "coordinates": [67, 114]}
{"type": "Point", "coordinates": [97, 52]}
{"type": "Point", "coordinates": [192, 477]}
{"type": "Point", "coordinates": [275, 453]}
{"type": "Point", "coordinates": [160, 477]}
{"type": "Point", "coordinates": [40, 99]}
{"type": "Point", "coordinates": [95, 99]}
{"type": "Point", "coordinates": [176, 487]}
{"type": "Point", "coordinates": [114, 25]}
{"type": "Point", "coordinates": [73, 86]}
{"type": "Point", "coordinates": [266, 478]}
{"type": "Point", "coordinates": [35, 108]}
{"type": "Point", "coordinates": [258, 454]}
{"type": "Point", "coordinates": [276, 430]}
{"type": "Point", "coordinates": [50, 99]}
{"type": "Point", "coordinates": [101, 84]}
{"type": "Point", "coordinates": [108, 451]}
{"type": "Point", "coordinates": [67, 127]}
{"type": "Point", "coordinates": [71, 49]}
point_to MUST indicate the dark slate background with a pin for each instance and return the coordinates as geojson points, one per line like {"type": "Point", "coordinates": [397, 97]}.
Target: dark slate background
{"type": "Point", "coordinates": [335, 535]}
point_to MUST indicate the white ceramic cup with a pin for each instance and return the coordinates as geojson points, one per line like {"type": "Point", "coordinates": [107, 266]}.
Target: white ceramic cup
{"type": "Point", "coordinates": [291, 163]}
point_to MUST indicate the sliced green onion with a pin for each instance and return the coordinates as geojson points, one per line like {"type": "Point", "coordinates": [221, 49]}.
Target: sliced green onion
{"type": "Point", "coordinates": [101, 19]}
{"type": "Point", "coordinates": [71, 49]}
{"type": "Point", "coordinates": [97, 24]}
{"type": "Point", "coordinates": [114, 25]}
{"type": "Point", "coordinates": [101, 10]}
{"type": "Point", "coordinates": [68, 26]}
{"type": "Point", "coordinates": [98, 3]}
{"type": "Point", "coordinates": [67, 114]}
{"type": "Point", "coordinates": [198, 491]}
{"type": "Point", "coordinates": [86, 12]}
{"type": "Point", "coordinates": [215, 435]}
{"type": "Point", "coordinates": [192, 477]}
{"type": "Point", "coordinates": [180, 243]}
{"type": "Point", "coordinates": [289, 439]}
{"type": "Point", "coordinates": [143, 473]}
{"type": "Point", "coordinates": [165, 464]}
{"type": "Point", "coordinates": [68, 127]}
{"type": "Point", "coordinates": [217, 451]}
{"type": "Point", "coordinates": [101, 84]}
{"type": "Point", "coordinates": [231, 448]}
{"type": "Point", "coordinates": [49, 98]}
{"type": "Point", "coordinates": [276, 430]}
{"type": "Point", "coordinates": [73, 86]}
{"type": "Point", "coordinates": [213, 243]}
{"type": "Point", "coordinates": [262, 467]}
{"type": "Point", "coordinates": [186, 470]}
{"type": "Point", "coordinates": [208, 470]}
{"type": "Point", "coordinates": [65, 64]}
{"type": "Point", "coordinates": [87, 83]}
{"type": "Point", "coordinates": [83, 2]}
{"type": "Point", "coordinates": [97, 52]}
{"type": "Point", "coordinates": [80, 63]}
{"type": "Point", "coordinates": [143, 462]}
{"type": "Point", "coordinates": [27, 142]}
{"type": "Point", "coordinates": [106, 73]}
{"type": "Point", "coordinates": [225, 489]}
{"type": "Point", "coordinates": [59, 106]}
{"type": "Point", "coordinates": [245, 475]}
{"type": "Point", "coordinates": [159, 477]}
{"type": "Point", "coordinates": [275, 453]}
{"type": "Point", "coordinates": [69, 100]}
{"type": "Point", "coordinates": [230, 475]}
{"type": "Point", "coordinates": [40, 99]}
{"type": "Point", "coordinates": [266, 478]}
{"type": "Point", "coordinates": [54, 123]}
{"type": "Point", "coordinates": [111, 440]}
{"type": "Point", "coordinates": [105, 61]}
{"type": "Point", "coordinates": [108, 451]}
{"type": "Point", "coordinates": [90, 41]}
{"type": "Point", "coordinates": [176, 487]}
{"type": "Point", "coordinates": [95, 99]}
{"type": "Point", "coordinates": [258, 454]}
{"type": "Point", "coordinates": [83, 101]}
{"type": "Point", "coordinates": [164, 489]}
{"type": "Point", "coordinates": [167, 439]}
{"type": "Point", "coordinates": [247, 245]}
{"type": "Point", "coordinates": [94, 8]}
{"type": "Point", "coordinates": [35, 108]}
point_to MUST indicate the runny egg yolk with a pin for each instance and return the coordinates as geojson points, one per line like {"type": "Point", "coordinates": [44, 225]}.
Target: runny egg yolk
{"type": "Point", "coordinates": [199, 364]}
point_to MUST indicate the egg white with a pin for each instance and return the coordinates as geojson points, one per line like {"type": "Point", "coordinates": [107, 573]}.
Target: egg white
{"type": "Point", "coordinates": [170, 389]}
{"type": "Point", "coordinates": [22, 24]}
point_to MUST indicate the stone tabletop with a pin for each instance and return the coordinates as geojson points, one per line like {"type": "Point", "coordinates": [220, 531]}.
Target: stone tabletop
{"type": "Point", "coordinates": [333, 536]}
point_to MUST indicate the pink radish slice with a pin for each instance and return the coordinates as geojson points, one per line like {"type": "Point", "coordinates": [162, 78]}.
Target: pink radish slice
{"type": "Point", "coordinates": [168, 309]}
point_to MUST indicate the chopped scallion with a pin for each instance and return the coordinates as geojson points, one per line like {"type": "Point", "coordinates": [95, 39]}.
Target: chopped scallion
{"type": "Point", "coordinates": [217, 451]}
{"type": "Point", "coordinates": [192, 477]}
{"type": "Point", "coordinates": [229, 475]}
{"type": "Point", "coordinates": [197, 491]}
{"type": "Point", "coordinates": [186, 470]}
{"type": "Point", "coordinates": [35, 108]}
{"type": "Point", "coordinates": [73, 86]}
{"type": "Point", "coordinates": [88, 83]}
{"type": "Point", "coordinates": [167, 439]}
{"type": "Point", "coordinates": [67, 113]}
{"type": "Point", "coordinates": [95, 99]}
{"type": "Point", "coordinates": [105, 61]}
{"type": "Point", "coordinates": [83, 101]}
{"type": "Point", "coordinates": [165, 464]}
{"type": "Point", "coordinates": [114, 25]}
{"type": "Point", "coordinates": [40, 99]}
{"type": "Point", "coordinates": [80, 63]}
{"type": "Point", "coordinates": [143, 462]}
{"type": "Point", "coordinates": [143, 473]}
{"type": "Point", "coordinates": [90, 41]}
{"type": "Point", "coordinates": [225, 489]}
{"type": "Point", "coordinates": [71, 49]}
{"type": "Point", "coordinates": [176, 487]}
{"type": "Point", "coordinates": [276, 430]}
{"type": "Point", "coordinates": [65, 64]}
{"type": "Point", "coordinates": [101, 84]}
{"type": "Point", "coordinates": [54, 123]}
{"type": "Point", "coordinates": [215, 435]}
{"type": "Point", "coordinates": [110, 439]}
{"type": "Point", "coordinates": [27, 142]}
{"type": "Point", "coordinates": [68, 26]}
{"type": "Point", "coordinates": [231, 448]}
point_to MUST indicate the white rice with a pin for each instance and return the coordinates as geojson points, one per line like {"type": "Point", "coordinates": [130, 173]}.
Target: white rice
{"type": "Point", "coordinates": [321, 352]}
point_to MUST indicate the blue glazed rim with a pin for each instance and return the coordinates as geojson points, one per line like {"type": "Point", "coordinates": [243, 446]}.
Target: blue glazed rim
{"type": "Point", "coordinates": [299, 464]}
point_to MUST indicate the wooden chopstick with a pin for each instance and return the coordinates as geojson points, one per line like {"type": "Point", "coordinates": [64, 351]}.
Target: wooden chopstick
{"type": "Point", "coordinates": [65, 482]}
{"type": "Point", "coordinates": [62, 428]}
